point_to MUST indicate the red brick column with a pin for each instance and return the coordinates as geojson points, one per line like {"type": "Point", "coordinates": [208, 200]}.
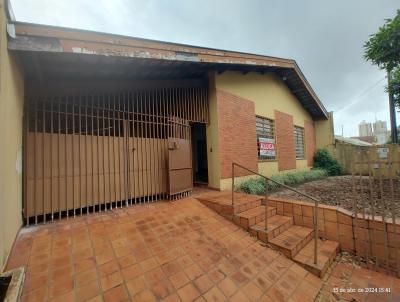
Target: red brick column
{"type": "Point", "coordinates": [309, 132]}
{"type": "Point", "coordinates": [285, 141]}
{"type": "Point", "coordinates": [237, 133]}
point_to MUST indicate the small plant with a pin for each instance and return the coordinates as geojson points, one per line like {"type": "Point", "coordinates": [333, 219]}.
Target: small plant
{"type": "Point", "coordinates": [256, 185]}
{"type": "Point", "coordinates": [324, 160]}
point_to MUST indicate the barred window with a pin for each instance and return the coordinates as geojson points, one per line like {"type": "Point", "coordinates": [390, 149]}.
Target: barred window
{"type": "Point", "coordinates": [265, 138]}
{"type": "Point", "coordinates": [299, 142]}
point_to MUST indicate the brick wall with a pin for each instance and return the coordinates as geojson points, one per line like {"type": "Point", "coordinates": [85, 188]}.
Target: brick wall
{"type": "Point", "coordinates": [309, 132]}
{"type": "Point", "coordinates": [237, 133]}
{"type": "Point", "coordinates": [285, 141]}
{"type": "Point", "coordinates": [363, 236]}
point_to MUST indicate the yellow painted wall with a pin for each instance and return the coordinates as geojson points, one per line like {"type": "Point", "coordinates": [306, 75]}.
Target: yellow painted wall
{"type": "Point", "coordinates": [11, 109]}
{"type": "Point", "coordinates": [269, 93]}
{"type": "Point", "coordinates": [214, 170]}
{"type": "Point", "coordinates": [324, 133]}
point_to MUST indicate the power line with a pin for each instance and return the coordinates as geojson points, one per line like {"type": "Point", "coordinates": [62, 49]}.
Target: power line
{"type": "Point", "coordinates": [360, 95]}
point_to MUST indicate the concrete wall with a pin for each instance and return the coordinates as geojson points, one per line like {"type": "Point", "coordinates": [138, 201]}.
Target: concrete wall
{"type": "Point", "coordinates": [11, 110]}
{"type": "Point", "coordinates": [324, 133]}
{"type": "Point", "coordinates": [269, 94]}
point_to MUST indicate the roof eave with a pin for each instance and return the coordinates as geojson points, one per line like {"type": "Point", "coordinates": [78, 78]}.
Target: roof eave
{"type": "Point", "coordinates": [35, 37]}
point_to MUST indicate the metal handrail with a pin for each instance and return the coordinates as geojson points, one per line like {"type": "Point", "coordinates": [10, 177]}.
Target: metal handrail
{"type": "Point", "coordinates": [316, 201]}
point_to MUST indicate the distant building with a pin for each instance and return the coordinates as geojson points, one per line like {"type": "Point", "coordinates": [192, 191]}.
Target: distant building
{"type": "Point", "coordinates": [380, 127]}
{"type": "Point", "coordinates": [375, 133]}
{"type": "Point", "coordinates": [365, 129]}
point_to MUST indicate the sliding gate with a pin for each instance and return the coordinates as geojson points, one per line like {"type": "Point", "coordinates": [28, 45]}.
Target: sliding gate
{"type": "Point", "coordinates": [93, 152]}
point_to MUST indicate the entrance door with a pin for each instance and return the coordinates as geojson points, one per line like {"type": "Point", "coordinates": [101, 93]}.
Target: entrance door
{"type": "Point", "coordinates": [199, 147]}
{"type": "Point", "coordinates": [179, 159]}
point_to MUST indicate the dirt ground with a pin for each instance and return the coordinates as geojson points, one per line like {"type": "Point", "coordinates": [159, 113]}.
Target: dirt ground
{"type": "Point", "coordinates": [337, 190]}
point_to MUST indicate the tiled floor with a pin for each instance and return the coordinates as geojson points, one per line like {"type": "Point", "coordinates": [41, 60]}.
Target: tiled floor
{"type": "Point", "coordinates": [347, 282]}
{"type": "Point", "coordinates": [179, 251]}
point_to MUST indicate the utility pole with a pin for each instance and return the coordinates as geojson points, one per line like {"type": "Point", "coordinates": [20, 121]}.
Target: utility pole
{"type": "Point", "coordinates": [393, 124]}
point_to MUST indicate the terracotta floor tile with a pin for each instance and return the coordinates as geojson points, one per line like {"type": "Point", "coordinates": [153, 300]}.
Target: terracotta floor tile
{"type": "Point", "coordinates": [188, 292]}
{"type": "Point", "coordinates": [144, 296]}
{"type": "Point", "coordinates": [227, 286]}
{"type": "Point", "coordinates": [149, 264]}
{"type": "Point", "coordinates": [111, 280]}
{"type": "Point", "coordinates": [68, 297]}
{"type": "Point", "coordinates": [203, 283]}
{"type": "Point", "coordinates": [38, 269]}
{"type": "Point", "coordinates": [33, 282]}
{"type": "Point", "coordinates": [252, 292]}
{"type": "Point", "coordinates": [239, 297]}
{"type": "Point", "coordinates": [171, 268]}
{"type": "Point", "coordinates": [136, 285]}
{"type": "Point", "coordinates": [126, 261]}
{"type": "Point", "coordinates": [116, 294]}
{"type": "Point", "coordinates": [172, 298]}
{"type": "Point", "coordinates": [179, 279]}
{"type": "Point", "coordinates": [216, 275]}
{"type": "Point", "coordinates": [104, 257]}
{"type": "Point", "coordinates": [162, 289]}
{"type": "Point", "coordinates": [154, 276]}
{"type": "Point", "coordinates": [239, 278]}
{"type": "Point", "coordinates": [88, 291]}
{"type": "Point", "coordinates": [274, 295]}
{"type": "Point", "coordinates": [36, 295]}
{"type": "Point", "coordinates": [185, 261]}
{"type": "Point", "coordinates": [131, 272]}
{"type": "Point", "coordinates": [214, 294]}
{"type": "Point", "coordinates": [193, 271]}
{"type": "Point", "coordinates": [61, 286]}
{"type": "Point", "coordinates": [85, 277]}
{"type": "Point", "coordinates": [108, 268]}
{"type": "Point", "coordinates": [60, 273]}
{"type": "Point", "coordinates": [83, 265]}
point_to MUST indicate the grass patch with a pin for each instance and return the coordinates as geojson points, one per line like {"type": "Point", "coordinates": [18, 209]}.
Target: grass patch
{"type": "Point", "coordinates": [257, 185]}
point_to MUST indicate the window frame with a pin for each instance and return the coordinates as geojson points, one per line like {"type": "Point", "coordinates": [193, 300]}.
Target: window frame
{"type": "Point", "coordinates": [272, 121]}
{"type": "Point", "coordinates": [295, 128]}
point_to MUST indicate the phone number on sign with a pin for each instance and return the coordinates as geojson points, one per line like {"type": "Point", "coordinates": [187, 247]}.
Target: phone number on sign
{"type": "Point", "coordinates": [361, 290]}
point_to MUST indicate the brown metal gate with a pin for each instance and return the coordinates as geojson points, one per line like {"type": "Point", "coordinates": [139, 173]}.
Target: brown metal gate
{"type": "Point", "coordinates": [180, 175]}
{"type": "Point", "coordinates": [94, 152]}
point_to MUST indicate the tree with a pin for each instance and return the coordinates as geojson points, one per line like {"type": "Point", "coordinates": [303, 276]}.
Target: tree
{"type": "Point", "coordinates": [383, 50]}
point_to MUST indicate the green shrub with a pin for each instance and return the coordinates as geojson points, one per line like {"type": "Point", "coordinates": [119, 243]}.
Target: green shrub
{"type": "Point", "coordinates": [324, 160]}
{"type": "Point", "coordinates": [257, 185]}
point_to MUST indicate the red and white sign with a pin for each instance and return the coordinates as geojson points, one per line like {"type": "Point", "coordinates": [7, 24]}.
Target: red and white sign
{"type": "Point", "coordinates": [267, 146]}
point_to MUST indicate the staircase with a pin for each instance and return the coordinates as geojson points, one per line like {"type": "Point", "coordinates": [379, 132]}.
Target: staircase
{"type": "Point", "coordinates": [294, 241]}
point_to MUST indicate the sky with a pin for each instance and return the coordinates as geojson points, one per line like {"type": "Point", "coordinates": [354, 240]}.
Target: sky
{"type": "Point", "coordinates": [324, 37]}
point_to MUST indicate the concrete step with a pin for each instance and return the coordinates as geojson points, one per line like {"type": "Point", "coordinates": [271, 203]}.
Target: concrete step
{"type": "Point", "coordinates": [275, 225]}
{"type": "Point", "coordinates": [253, 216]}
{"type": "Point", "coordinates": [291, 241]}
{"type": "Point", "coordinates": [327, 252]}
{"type": "Point", "coordinates": [221, 202]}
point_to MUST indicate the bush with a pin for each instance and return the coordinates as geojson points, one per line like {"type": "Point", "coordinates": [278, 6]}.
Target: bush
{"type": "Point", "coordinates": [257, 185]}
{"type": "Point", "coordinates": [324, 160]}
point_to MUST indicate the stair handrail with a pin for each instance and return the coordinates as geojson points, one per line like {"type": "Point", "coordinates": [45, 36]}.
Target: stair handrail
{"type": "Point", "coordinates": [316, 202]}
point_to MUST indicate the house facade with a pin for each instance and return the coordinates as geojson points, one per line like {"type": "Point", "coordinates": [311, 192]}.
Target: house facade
{"type": "Point", "coordinates": [94, 121]}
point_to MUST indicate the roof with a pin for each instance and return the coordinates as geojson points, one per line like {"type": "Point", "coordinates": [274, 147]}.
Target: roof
{"type": "Point", "coordinates": [352, 141]}
{"type": "Point", "coordinates": [48, 51]}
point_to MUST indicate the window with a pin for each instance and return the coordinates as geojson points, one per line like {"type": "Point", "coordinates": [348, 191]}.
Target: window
{"type": "Point", "coordinates": [265, 138]}
{"type": "Point", "coordinates": [299, 142]}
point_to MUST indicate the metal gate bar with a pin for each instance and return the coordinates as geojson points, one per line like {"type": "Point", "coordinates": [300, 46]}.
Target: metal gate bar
{"type": "Point", "coordinates": [379, 242]}
{"type": "Point", "coordinates": [94, 152]}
